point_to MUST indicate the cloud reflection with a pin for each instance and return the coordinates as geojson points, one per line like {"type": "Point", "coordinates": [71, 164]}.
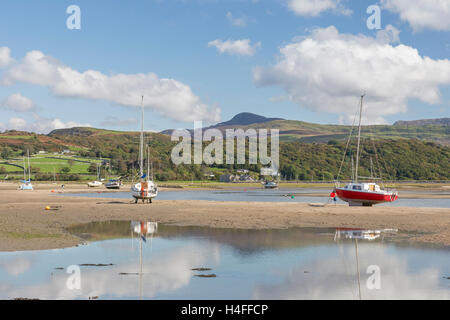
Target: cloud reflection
{"type": "Point", "coordinates": [164, 273]}
{"type": "Point", "coordinates": [336, 278]}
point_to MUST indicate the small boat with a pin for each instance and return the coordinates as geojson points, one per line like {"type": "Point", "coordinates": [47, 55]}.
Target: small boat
{"type": "Point", "coordinates": [146, 189]}
{"type": "Point", "coordinates": [96, 183]}
{"type": "Point", "coordinates": [113, 184]}
{"type": "Point", "coordinates": [26, 183]}
{"type": "Point", "coordinates": [362, 193]}
{"type": "Point", "coordinates": [270, 185]}
{"type": "Point", "coordinates": [365, 194]}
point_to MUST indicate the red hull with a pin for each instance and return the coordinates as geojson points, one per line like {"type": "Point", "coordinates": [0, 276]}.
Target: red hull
{"type": "Point", "coordinates": [364, 197]}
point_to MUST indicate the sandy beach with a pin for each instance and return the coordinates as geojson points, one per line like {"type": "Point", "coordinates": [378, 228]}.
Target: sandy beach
{"type": "Point", "coordinates": [26, 225]}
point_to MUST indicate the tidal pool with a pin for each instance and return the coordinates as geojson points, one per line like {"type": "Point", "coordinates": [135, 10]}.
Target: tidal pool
{"type": "Point", "coordinates": [208, 263]}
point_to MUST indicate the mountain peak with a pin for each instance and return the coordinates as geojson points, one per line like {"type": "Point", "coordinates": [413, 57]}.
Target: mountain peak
{"type": "Point", "coordinates": [246, 118]}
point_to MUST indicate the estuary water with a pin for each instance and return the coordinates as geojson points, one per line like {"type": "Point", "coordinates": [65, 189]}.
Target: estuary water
{"type": "Point", "coordinates": [207, 263]}
{"type": "Point", "coordinates": [265, 195]}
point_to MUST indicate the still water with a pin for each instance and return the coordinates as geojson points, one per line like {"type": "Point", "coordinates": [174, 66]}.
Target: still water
{"type": "Point", "coordinates": [294, 263]}
{"type": "Point", "coordinates": [266, 195]}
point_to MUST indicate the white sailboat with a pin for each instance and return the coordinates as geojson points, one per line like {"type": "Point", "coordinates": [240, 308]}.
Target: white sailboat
{"type": "Point", "coordinates": [146, 189]}
{"type": "Point", "coordinates": [96, 183]}
{"type": "Point", "coordinates": [26, 183]}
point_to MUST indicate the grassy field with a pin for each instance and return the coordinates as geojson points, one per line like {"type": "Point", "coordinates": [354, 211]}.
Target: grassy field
{"type": "Point", "coordinates": [29, 137]}
{"type": "Point", "coordinates": [48, 163]}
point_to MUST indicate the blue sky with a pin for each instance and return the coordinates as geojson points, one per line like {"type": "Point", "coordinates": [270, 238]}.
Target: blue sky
{"type": "Point", "coordinates": [170, 39]}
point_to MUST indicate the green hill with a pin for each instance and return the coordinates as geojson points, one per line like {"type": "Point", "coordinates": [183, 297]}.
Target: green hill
{"type": "Point", "coordinates": [436, 130]}
{"type": "Point", "coordinates": [400, 158]}
{"type": "Point", "coordinates": [407, 150]}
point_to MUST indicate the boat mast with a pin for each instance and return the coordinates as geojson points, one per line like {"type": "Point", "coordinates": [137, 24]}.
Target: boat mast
{"type": "Point", "coordinates": [141, 147]}
{"type": "Point", "coordinates": [148, 161]}
{"type": "Point", "coordinates": [24, 168]}
{"type": "Point", "coordinates": [371, 169]}
{"type": "Point", "coordinates": [359, 139]}
{"type": "Point", "coordinates": [29, 167]}
{"type": "Point", "coordinates": [353, 170]}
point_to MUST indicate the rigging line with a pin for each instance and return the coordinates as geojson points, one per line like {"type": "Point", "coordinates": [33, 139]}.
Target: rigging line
{"type": "Point", "coordinates": [389, 176]}
{"type": "Point", "coordinates": [346, 147]}
{"type": "Point", "coordinates": [369, 129]}
{"type": "Point", "coordinates": [378, 164]}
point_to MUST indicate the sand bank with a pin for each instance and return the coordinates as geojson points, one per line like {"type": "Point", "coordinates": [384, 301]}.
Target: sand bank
{"type": "Point", "coordinates": [26, 225]}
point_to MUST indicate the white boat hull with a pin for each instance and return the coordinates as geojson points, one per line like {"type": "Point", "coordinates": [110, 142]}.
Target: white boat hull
{"type": "Point", "coordinates": [94, 184]}
{"type": "Point", "coordinates": [26, 186]}
{"type": "Point", "coordinates": [144, 190]}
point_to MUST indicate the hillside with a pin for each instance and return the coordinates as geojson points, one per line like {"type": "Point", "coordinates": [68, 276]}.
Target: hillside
{"type": "Point", "coordinates": [308, 151]}
{"type": "Point", "coordinates": [435, 130]}
{"type": "Point", "coordinates": [441, 121]}
{"type": "Point", "coordinates": [245, 118]}
{"type": "Point", "coordinates": [239, 120]}
{"type": "Point", "coordinates": [400, 158]}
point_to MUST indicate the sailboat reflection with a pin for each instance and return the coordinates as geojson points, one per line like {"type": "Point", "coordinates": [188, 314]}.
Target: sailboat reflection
{"type": "Point", "coordinates": [362, 234]}
{"type": "Point", "coordinates": [143, 229]}
{"type": "Point", "coordinates": [349, 233]}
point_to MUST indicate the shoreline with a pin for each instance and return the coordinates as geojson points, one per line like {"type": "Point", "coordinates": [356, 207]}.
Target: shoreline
{"type": "Point", "coordinates": [26, 225]}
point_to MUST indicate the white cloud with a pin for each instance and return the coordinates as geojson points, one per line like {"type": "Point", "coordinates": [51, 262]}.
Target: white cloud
{"type": "Point", "coordinates": [239, 47]}
{"type": "Point", "coordinates": [16, 265]}
{"type": "Point", "coordinates": [422, 14]}
{"type": "Point", "coordinates": [390, 34]}
{"type": "Point", "coordinates": [168, 97]}
{"type": "Point", "coordinates": [5, 57]}
{"type": "Point", "coordinates": [316, 7]}
{"type": "Point", "coordinates": [111, 121]}
{"type": "Point", "coordinates": [17, 102]}
{"type": "Point", "coordinates": [39, 125]}
{"type": "Point", "coordinates": [237, 22]}
{"type": "Point", "coordinates": [327, 71]}
{"type": "Point", "coordinates": [17, 124]}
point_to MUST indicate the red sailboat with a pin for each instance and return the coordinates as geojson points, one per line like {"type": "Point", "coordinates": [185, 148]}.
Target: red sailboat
{"type": "Point", "coordinates": [363, 193]}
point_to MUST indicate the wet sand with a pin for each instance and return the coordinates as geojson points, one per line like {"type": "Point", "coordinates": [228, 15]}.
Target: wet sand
{"type": "Point", "coordinates": [26, 225]}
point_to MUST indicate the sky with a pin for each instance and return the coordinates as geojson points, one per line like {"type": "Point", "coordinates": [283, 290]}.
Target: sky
{"type": "Point", "coordinates": [208, 60]}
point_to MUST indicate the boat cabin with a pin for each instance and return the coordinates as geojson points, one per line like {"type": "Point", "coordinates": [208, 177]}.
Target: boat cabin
{"type": "Point", "coordinates": [367, 187]}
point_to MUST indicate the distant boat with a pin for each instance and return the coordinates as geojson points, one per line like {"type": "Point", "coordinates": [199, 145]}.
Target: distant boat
{"type": "Point", "coordinates": [26, 183]}
{"type": "Point", "coordinates": [270, 185]}
{"type": "Point", "coordinates": [146, 189]}
{"type": "Point", "coordinates": [113, 184]}
{"type": "Point", "coordinates": [363, 194]}
{"type": "Point", "coordinates": [96, 183]}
